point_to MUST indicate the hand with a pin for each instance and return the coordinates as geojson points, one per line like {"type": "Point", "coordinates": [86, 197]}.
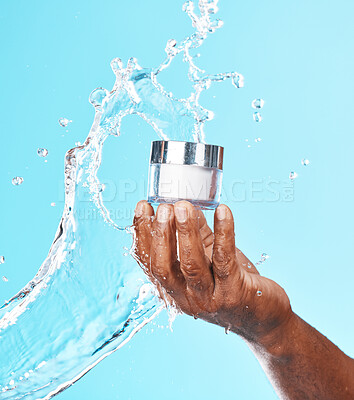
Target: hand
{"type": "Point", "coordinates": [209, 277]}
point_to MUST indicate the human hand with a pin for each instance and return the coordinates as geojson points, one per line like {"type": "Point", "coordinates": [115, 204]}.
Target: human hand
{"type": "Point", "coordinates": [208, 277]}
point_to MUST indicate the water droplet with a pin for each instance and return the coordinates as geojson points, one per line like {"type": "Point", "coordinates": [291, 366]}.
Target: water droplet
{"type": "Point", "coordinates": [5, 279]}
{"type": "Point", "coordinates": [17, 180]}
{"type": "Point", "coordinates": [53, 204]}
{"type": "Point", "coordinates": [64, 122]}
{"type": "Point", "coordinates": [126, 251]}
{"type": "Point", "coordinates": [12, 382]}
{"type": "Point", "coordinates": [293, 175]}
{"type": "Point", "coordinates": [97, 96]}
{"type": "Point", "coordinates": [257, 103]}
{"type": "Point", "coordinates": [171, 47]}
{"type": "Point", "coordinates": [259, 293]}
{"type": "Point", "coordinates": [42, 152]}
{"type": "Point", "coordinates": [26, 374]}
{"type": "Point", "coordinates": [257, 116]}
{"type": "Point", "coordinates": [305, 162]}
{"type": "Point", "coordinates": [2, 259]}
{"type": "Point", "coordinates": [116, 64]}
{"type": "Point", "coordinates": [238, 81]}
{"type": "Point", "coordinates": [257, 140]}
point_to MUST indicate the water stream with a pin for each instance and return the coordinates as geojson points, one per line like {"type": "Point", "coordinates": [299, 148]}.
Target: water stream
{"type": "Point", "coordinates": [88, 299]}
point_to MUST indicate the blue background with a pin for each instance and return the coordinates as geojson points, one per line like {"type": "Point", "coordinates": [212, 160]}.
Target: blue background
{"type": "Point", "coordinates": [299, 57]}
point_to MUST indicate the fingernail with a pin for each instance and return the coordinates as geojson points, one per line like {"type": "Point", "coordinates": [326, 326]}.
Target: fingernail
{"type": "Point", "coordinates": [181, 214]}
{"type": "Point", "coordinates": [163, 213]}
{"type": "Point", "coordinates": [221, 212]}
{"type": "Point", "coordinates": [139, 210]}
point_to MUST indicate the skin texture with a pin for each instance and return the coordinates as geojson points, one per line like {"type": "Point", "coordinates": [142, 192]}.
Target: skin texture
{"type": "Point", "coordinates": [206, 276]}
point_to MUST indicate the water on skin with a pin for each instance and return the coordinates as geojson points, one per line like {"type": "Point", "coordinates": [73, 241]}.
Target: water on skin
{"type": "Point", "coordinates": [88, 298]}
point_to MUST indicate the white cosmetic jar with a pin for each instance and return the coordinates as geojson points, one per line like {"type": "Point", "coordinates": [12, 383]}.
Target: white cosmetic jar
{"type": "Point", "coordinates": [185, 171]}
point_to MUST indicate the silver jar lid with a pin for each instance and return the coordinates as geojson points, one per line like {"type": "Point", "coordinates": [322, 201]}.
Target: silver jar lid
{"type": "Point", "coordinates": [186, 153]}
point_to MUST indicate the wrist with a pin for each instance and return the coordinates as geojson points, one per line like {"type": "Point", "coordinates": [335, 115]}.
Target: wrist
{"type": "Point", "coordinates": [275, 343]}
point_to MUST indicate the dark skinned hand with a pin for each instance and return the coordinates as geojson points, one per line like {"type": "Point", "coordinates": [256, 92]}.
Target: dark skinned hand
{"type": "Point", "coordinates": [207, 276]}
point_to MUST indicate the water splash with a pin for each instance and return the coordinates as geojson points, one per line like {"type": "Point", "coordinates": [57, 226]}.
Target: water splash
{"type": "Point", "coordinates": [264, 258]}
{"type": "Point", "coordinates": [88, 299]}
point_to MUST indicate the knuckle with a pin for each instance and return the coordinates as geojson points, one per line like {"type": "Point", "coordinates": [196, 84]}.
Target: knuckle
{"type": "Point", "coordinates": [159, 273]}
{"type": "Point", "coordinates": [200, 286]}
{"type": "Point", "coordinates": [158, 232]}
{"type": "Point", "coordinates": [184, 228]}
{"type": "Point", "coordinates": [142, 225]}
{"type": "Point", "coordinates": [191, 269]}
{"type": "Point", "coordinates": [221, 256]}
{"type": "Point", "coordinates": [223, 272]}
{"type": "Point", "coordinates": [188, 227]}
{"type": "Point", "coordinates": [196, 286]}
{"type": "Point", "coordinates": [222, 261]}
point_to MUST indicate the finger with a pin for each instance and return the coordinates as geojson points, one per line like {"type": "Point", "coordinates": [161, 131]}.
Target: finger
{"type": "Point", "coordinates": [224, 251]}
{"type": "Point", "coordinates": [194, 264]}
{"type": "Point", "coordinates": [206, 234]}
{"type": "Point", "coordinates": [143, 224]}
{"type": "Point", "coordinates": [164, 264]}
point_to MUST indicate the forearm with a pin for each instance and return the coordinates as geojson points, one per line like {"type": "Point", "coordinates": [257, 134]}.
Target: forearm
{"type": "Point", "coordinates": [302, 364]}
{"type": "Point", "coordinates": [210, 279]}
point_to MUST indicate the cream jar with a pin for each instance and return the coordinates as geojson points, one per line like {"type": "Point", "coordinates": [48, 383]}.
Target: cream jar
{"type": "Point", "coordinates": [185, 171]}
